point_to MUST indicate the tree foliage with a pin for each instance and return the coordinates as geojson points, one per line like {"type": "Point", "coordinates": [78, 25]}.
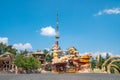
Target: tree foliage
{"type": "Point", "coordinates": [24, 52]}
{"type": "Point", "coordinates": [48, 58]}
{"type": "Point", "coordinates": [45, 51]}
{"type": "Point", "coordinates": [97, 63]}
{"type": "Point", "coordinates": [7, 48]}
{"type": "Point", "coordinates": [27, 62]}
{"type": "Point", "coordinates": [107, 56]}
{"type": "Point", "coordinates": [102, 59]}
{"type": "Point", "coordinates": [93, 63]}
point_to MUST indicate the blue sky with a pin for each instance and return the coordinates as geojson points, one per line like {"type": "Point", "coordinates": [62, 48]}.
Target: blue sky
{"type": "Point", "coordinates": [89, 25]}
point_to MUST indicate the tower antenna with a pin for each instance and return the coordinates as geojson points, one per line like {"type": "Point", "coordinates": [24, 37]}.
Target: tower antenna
{"type": "Point", "coordinates": [57, 21]}
{"type": "Point", "coordinates": [57, 34]}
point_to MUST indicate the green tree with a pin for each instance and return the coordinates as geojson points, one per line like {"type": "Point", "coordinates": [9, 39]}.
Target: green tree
{"type": "Point", "coordinates": [48, 58]}
{"type": "Point", "coordinates": [2, 48]}
{"type": "Point", "coordinates": [31, 63]}
{"type": "Point", "coordinates": [7, 48]}
{"type": "Point", "coordinates": [19, 60]}
{"type": "Point", "coordinates": [93, 63]}
{"type": "Point", "coordinates": [102, 59]}
{"type": "Point", "coordinates": [10, 49]}
{"type": "Point", "coordinates": [24, 52]}
{"type": "Point", "coordinates": [27, 62]}
{"type": "Point", "coordinates": [99, 61]}
{"type": "Point", "coordinates": [107, 56]}
{"type": "Point", "coordinates": [45, 51]}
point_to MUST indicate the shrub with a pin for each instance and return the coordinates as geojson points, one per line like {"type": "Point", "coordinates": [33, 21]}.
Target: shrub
{"type": "Point", "coordinates": [27, 62]}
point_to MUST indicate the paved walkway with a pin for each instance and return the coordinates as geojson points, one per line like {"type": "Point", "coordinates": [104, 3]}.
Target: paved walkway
{"type": "Point", "coordinates": [49, 76]}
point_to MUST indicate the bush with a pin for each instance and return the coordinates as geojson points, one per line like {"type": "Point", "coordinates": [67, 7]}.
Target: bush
{"type": "Point", "coordinates": [27, 62]}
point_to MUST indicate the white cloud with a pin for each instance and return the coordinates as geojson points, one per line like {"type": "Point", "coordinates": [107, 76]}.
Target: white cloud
{"type": "Point", "coordinates": [87, 53]}
{"type": "Point", "coordinates": [48, 31]}
{"type": "Point", "coordinates": [4, 40]}
{"type": "Point", "coordinates": [21, 46]}
{"type": "Point", "coordinates": [108, 11]}
{"type": "Point", "coordinates": [103, 54]}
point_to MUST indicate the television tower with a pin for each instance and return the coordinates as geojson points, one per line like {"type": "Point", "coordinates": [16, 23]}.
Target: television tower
{"type": "Point", "coordinates": [57, 36]}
